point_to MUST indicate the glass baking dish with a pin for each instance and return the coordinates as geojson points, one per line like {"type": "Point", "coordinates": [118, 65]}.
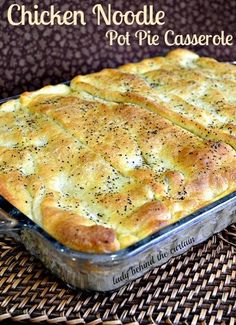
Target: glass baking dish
{"type": "Point", "coordinates": [106, 272]}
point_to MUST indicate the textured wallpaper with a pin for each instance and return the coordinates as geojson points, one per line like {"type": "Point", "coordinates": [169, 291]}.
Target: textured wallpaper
{"type": "Point", "coordinates": [32, 56]}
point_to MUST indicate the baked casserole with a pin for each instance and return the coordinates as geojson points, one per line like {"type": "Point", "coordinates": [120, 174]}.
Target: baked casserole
{"type": "Point", "coordinates": [118, 154]}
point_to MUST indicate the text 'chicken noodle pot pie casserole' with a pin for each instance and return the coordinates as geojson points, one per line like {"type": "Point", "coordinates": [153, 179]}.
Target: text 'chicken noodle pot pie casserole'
{"type": "Point", "coordinates": [118, 154]}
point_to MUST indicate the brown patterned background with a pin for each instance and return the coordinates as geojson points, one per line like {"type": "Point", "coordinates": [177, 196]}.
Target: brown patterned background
{"type": "Point", "coordinates": [32, 56]}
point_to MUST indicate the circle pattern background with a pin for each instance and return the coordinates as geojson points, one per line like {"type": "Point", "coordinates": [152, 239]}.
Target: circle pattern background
{"type": "Point", "coordinates": [32, 56]}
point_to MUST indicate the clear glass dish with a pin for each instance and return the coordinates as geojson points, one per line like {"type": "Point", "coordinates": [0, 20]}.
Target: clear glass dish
{"type": "Point", "coordinates": [106, 272]}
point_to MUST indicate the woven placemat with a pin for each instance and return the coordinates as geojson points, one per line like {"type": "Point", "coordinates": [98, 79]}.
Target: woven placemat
{"type": "Point", "coordinates": [198, 287]}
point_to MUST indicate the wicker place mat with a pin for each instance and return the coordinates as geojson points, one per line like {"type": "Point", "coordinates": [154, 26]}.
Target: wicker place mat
{"type": "Point", "coordinates": [198, 287]}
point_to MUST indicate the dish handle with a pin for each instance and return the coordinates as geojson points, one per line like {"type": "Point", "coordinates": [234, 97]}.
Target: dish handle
{"type": "Point", "coordinates": [8, 224]}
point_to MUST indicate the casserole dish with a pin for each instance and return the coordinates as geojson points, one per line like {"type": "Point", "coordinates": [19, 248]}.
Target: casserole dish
{"type": "Point", "coordinates": [107, 272]}
{"type": "Point", "coordinates": [206, 169]}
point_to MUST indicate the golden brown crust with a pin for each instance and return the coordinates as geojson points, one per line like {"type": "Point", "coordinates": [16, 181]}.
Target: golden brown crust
{"type": "Point", "coordinates": [101, 167]}
{"type": "Point", "coordinates": [196, 93]}
{"type": "Point", "coordinates": [68, 228]}
{"type": "Point", "coordinates": [12, 188]}
{"type": "Point", "coordinates": [152, 215]}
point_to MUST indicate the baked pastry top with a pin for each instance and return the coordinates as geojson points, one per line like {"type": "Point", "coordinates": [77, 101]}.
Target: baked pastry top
{"type": "Point", "coordinates": [118, 154]}
{"type": "Point", "coordinates": [195, 93]}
